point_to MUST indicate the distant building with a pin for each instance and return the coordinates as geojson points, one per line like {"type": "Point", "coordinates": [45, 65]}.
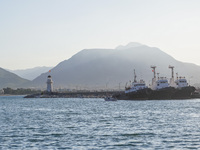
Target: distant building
{"type": "Point", "coordinates": [2, 91]}
{"type": "Point", "coordinates": [49, 84]}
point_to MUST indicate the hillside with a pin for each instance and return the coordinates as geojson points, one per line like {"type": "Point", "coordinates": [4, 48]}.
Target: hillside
{"type": "Point", "coordinates": [8, 79]}
{"type": "Point", "coordinates": [109, 68]}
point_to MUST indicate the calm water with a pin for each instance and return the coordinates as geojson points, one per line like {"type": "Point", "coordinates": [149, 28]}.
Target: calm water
{"type": "Point", "coordinates": [97, 124]}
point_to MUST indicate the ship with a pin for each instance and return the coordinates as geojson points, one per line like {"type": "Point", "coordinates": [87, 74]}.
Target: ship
{"type": "Point", "coordinates": [136, 90]}
{"type": "Point", "coordinates": [160, 88]}
{"type": "Point", "coordinates": [110, 99]}
{"type": "Point", "coordinates": [182, 89]}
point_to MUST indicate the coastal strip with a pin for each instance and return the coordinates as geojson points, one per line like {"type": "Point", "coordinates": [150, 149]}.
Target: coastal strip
{"type": "Point", "coordinates": [89, 94]}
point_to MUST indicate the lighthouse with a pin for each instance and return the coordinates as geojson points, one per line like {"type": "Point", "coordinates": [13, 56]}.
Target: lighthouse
{"type": "Point", "coordinates": [49, 84]}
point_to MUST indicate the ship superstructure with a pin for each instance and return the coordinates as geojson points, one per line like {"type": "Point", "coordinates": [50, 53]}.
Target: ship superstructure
{"type": "Point", "coordinates": [160, 82]}
{"type": "Point", "coordinates": [180, 82]}
{"type": "Point", "coordinates": [135, 86]}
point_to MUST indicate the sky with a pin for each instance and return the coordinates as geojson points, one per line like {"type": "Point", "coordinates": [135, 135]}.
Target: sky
{"type": "Point", "coordinates": [45, 32]}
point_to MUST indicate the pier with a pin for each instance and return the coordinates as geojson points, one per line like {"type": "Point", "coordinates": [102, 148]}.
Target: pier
{"type": "Point", "coordinates": [84, 94]}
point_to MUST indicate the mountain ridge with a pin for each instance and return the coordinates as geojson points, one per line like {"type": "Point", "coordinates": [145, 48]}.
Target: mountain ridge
{"type": "Point", "coordinates": [8, 79]}
{"type": "Point", "coordinates": [30, 73]}
{"type": "Point", "coordinates": [106, 68]}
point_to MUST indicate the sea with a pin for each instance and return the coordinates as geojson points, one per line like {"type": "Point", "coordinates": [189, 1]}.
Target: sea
{"type": "Point", "coordinates": [95, 124]}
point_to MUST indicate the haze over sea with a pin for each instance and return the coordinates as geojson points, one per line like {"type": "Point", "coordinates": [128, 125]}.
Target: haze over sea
{"type": "Point", "coordinates": [96, 124]}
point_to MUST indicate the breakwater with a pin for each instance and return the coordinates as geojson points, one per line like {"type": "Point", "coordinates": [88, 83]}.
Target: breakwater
{"type": "Point", "coordinates": [88, 94]}
{"type": "Point", "coordinates": [95, 94]}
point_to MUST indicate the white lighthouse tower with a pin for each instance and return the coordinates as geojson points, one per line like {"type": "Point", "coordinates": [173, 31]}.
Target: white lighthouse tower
{"type": "Point", "coordinates": [49, 84]}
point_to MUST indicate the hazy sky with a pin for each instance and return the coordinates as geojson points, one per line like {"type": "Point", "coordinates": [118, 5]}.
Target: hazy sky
{"type": "Point", "coordinates": [46, 32]}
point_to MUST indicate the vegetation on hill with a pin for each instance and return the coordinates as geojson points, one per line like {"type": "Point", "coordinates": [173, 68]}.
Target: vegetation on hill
{"type": "Point", "coordinates": [20, 91]}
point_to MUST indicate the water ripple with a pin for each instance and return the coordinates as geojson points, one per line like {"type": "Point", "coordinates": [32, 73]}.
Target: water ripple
{"type": "Point", "coordinates": [96, 124]}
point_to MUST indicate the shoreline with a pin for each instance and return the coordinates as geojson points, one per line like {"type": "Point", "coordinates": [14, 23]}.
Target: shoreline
{"type": "Point", "coordinates": [72, 95]}
{"type": "Point", "coordinates": [11, 95]}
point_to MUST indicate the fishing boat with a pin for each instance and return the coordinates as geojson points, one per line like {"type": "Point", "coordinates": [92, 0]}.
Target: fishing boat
{"type": "Point", "coordinates": [110, 99]}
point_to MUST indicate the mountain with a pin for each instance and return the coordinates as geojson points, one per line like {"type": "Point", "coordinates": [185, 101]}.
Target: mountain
{"type": "Point", "coordinates": [31, 73]}
{"type": "Point", "coordinates": [8, 79]}
{"type": "Point", "coordinates": [111, 68]}
{"type": "Point", "coordinates": [129, 45]}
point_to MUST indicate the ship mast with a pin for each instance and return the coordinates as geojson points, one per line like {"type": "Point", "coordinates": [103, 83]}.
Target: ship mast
{"type": "Point", "coordinates": [154, 71]}
{"type": "Point", "coordinates": [154, 76]}
{"type": "Point", "coordinates": [158, 75]}
{"type": "Point", "coordinates": [172, 68]}
{"type": "Point", "coordinates": [172, 77]}
{"type": "Point", "coordinates": [177, 75]}
{"type": "Point", "coordinates": [135, 76]}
